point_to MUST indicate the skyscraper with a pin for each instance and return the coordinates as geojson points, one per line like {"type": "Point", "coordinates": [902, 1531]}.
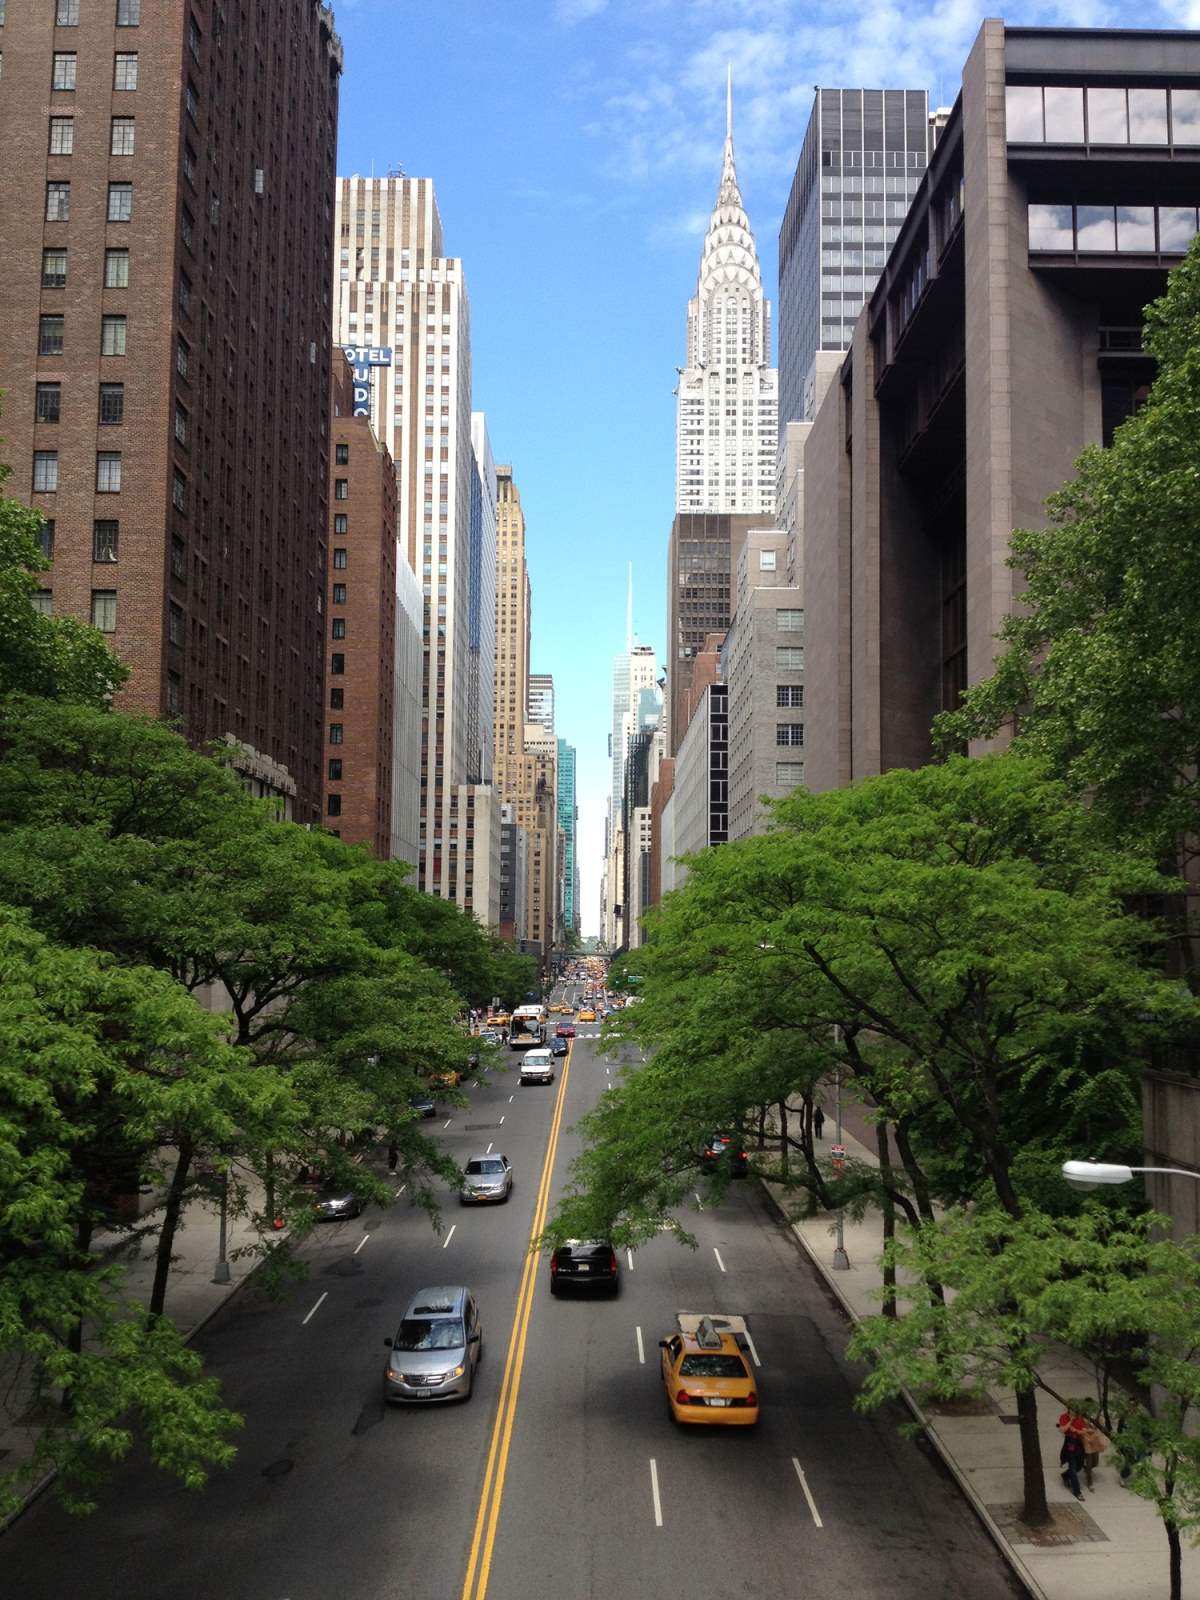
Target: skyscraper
{"type": "Point", "coordinates": [568, 821]}
{"type": "Point", "coordinates": [540, 705]}
{"type": "Point", "coordinates": [863, 156]}
{"type": "Point", "coordinates": [727, 414]}
{"type": "Point", "coordinates": [401, 305]}
{"type": "Point", "coordinates": [164, 352]}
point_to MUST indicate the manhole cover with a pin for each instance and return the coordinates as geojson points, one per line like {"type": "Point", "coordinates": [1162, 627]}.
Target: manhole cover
{"type": "Point", "coordinates": [480, 1127]}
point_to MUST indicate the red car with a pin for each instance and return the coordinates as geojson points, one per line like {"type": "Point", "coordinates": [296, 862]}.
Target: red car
{"type": "Point", "coordinates": [565, 1030]}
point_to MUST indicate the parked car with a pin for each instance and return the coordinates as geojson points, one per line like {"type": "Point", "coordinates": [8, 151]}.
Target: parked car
{"type": "Point", "coordinates": [435, 1350]}
{"type": "Point", "coordinates": [335, 1203]}
{"type": "Point", "coordinates": [537, 1067]}
{"type": "Point", "coordinates": [584, 1264]}
{"type": "Point", "coordinates": [422, 1104]}
{"type": "Point", "coordinates": [487, 1177]}
{"type": "Point", "coordinates": [726, 1148]}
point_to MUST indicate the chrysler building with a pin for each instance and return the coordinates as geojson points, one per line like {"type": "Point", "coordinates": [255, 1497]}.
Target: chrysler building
{"type": "Point", "coordinates": [727, 428]}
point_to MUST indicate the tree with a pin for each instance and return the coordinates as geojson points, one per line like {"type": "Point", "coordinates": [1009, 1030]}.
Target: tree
{"type": "Point", "coordinates": [95, 1061]}
{"type": "Point", "coordinates": [1101, 670]}
{"type": "Point", "coordinates": [58, 657]}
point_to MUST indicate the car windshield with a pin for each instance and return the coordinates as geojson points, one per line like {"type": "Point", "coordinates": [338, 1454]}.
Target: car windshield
{"type": "Point", "coordinates": [417, 1334]}
{"type": "Point", "coordinates": [712, 1367]}
{"type": "Point", "coordinates": [474, 1168]}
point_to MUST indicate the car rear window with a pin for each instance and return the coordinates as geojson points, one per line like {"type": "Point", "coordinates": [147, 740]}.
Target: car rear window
{"type": "Point", "coordinates": [588, 1251]}
{"type": "Point", "coordinates": [485, 1166]}
{"type": "Point", "coordinates": [701, 1366]}
{"type": "Point", "coordinates": [417, 1334]}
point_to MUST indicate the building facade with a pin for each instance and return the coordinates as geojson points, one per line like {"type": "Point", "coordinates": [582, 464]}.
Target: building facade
{"type": "Point", "coordinates": [727, 400]}
{"type": "Point", "coordinates": [402, 307]}
{"type": "Point", "coordinates": [700, 801]}
{"type": "Point", "coordinates": [568, 825]}
{"type": "Point", "coordinates": [539, 707]}
{"type": "Point", "coordinates": [408, 707]}
{"type": "Point", "coordinates": [514, 876]}
{"type": "Point", "coordinates": [164, 354]}
{"type": "Point", "coordinates": [481, 607]}
{"type": "Point", "coordinates": [862, 160]}
{"type": "Point", "coordinates": [360, 624]}
{"type": "Point", "coordinates": [702, 557]}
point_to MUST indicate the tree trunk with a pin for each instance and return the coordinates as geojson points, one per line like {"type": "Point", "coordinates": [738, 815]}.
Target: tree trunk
{"type": "Point", "coordinates": [1175, 1560]}
{"type": "Point", "coordinates": [170, 1226]}
{"type": "Point", "coordinates": [783, 1140]}
{"type": "Point", "coordinates": [1036, 1513]}
{"type": "Point", "coordinates": [889, 1217]}
{"type": "Point", "coordinates": [762, 1126]}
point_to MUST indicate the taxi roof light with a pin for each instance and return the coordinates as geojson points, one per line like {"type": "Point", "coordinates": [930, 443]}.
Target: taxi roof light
{"type": "Point", "coordinates": [707, 1336]}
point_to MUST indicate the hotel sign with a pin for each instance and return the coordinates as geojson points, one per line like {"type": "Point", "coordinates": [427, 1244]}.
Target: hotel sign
{"type": "Point", "coordinates": [362, 357]}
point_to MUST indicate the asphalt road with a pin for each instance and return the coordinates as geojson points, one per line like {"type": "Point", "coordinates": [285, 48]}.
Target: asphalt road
{"type": "Point", "coordinates": [334, 1497]}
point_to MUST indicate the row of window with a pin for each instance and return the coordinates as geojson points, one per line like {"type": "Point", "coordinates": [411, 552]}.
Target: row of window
{"type": "Point", "coordinates": [54, 267]}
{"type": "Point", "coordinates": [63, 70]}
{"type": "Point", "coordinates": [1147, 230]}
{"type": "Point", "coordinates": [120, 138]}
{"type": "Point", "coordinates": [103, 610]}
{"type": "Point", "coordinates": [1070, 114]}
{"type": "Point", "coordinates": [52, 334]}
{"type": "Point", "coordinates": [66, 13]}
{"type": "Point", "coordinates": [58, 202]}
{"type": "Point", "coordinates": [108, 472]}
{"type": "Point", "coordinates": [106, 535]}
{"type": "Point", "coordinates": [47, 405]}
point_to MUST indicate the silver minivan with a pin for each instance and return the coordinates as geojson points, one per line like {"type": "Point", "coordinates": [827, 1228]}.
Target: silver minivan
{"type": "Point", "coordinates": [435, 1350]}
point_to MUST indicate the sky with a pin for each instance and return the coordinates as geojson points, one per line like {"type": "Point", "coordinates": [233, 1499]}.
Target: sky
{"type": "Point", "coordinates": [575, 148]}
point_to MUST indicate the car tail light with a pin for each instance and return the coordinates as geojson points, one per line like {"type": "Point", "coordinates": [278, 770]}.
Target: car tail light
{"type": "Point", "coordinates": [683, 1398]}
{"type": "Point", "coordinates": [613, 1260]}
{"type": "Point", "coordinates": [752, 1398]}
{"type": "Point", "coordinates": [553, 1266]}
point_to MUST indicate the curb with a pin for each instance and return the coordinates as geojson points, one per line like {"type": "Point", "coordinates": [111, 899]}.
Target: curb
{"type": "Point", "coordinates": [829, 1278]}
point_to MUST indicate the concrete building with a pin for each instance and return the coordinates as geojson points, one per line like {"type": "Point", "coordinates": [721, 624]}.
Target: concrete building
{"type": "Point", "coordinates": [762, 664]}
{"type": "Point", "coordinates": [407, 706]}
{"type": "Point", "coordinates": [702, 556]}
{"type": "Point", "coordinates": [164, 354]}
{"type": "Point", "coordinates": [1004, 335]}
{"type": "Point", "coordinates": [481, 607]}
{"type": "Point", "coordinates": [401, 309]}
{"type": "Point", "coordinates": [540, 704]}
{"type": "Point", "coordinates": [727, 412]}
{"type": "Point", "coordinates": [361, 625]}
{"type": "Point", "coordinates": [568, 825]}
{"type": "Point", "coordinates": [514, 876]}
{"type": "Point", "coordinates": [700, 802]}
{"type": "Point", "coordinates": [863, 157]}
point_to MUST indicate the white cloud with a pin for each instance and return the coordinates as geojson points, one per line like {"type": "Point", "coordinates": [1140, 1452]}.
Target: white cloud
{"type": "Point", "coordinates": [570, 11]}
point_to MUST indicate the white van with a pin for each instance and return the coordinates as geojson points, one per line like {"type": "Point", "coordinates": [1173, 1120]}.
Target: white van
{"type": "Point", "coordinates": [537, 1067]}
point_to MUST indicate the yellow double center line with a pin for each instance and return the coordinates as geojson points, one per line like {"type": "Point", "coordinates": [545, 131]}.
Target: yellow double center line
{"type": "Point", "coordinates": [487, 1519]}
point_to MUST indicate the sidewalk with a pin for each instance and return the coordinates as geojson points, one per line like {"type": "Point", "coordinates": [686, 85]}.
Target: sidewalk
{"type": "Point", "coordinates": [1109, 1547]}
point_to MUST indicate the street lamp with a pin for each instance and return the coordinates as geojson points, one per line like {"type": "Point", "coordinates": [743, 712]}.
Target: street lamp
{"type": "Point", "coordinates": [221, 1270]}
{"type": "Point", "coordinates": [1091, 1174]}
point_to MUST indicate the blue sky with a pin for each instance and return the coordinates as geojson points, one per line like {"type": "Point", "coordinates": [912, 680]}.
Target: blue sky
{"type": "Point", "coordinates": [575, 146]}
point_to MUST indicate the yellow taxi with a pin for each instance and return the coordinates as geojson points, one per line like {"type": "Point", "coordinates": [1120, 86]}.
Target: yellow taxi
{"type": "Point", "coordinates": [500, 1020]}
{"type": "Point", "coordinates": [706, 1377]}
{"type": "Point", "coordinates": [586, 1016]}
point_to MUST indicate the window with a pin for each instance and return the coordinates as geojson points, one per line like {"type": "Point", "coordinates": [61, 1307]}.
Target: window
{"type": "Point", "coordinates": [62, 75]}
{"type": "Point", "coordinates": [45, 471]}
{"type": "Point", "coordinates": [173, 694]}
{"type": "Point", "coordinates": [341, 454]}
{"type": "Point", "coordinates": [125, 69]}
{"type": "Point", "coordinates": [337, 663]}
{"type": "Point", "coordinates": [129, 13]}
{"type": "Point", "coordinates": [121, 141]}
{"type": "Point", "coordinates": [46, 539]}
{"type": "Point", "coordinates": [175, 623]}
{"type": "Point", "coordinates": [1064, 115]}
{"type": "Point", "coordinates": [50, 336]}
{"type": "Point", "coordinates": [104, 610]}
{"type": "Point", "coordinates": [120, 202]}
{"type": "Point", "coordinates": [186, 224]}
{"type": "Point", "coordinates": [339, 522]}
{"type": "Point", "coordinates": [178, 558]}
{"type": "Point", "coordinates": [1096, 227]}
{"type": "Point", "coordinates": [766, 560]}
{"type": "Point", "coordinates": [185, 294]}
{"type": "Point", "coordinates": [341, 488]}
{"type": "Point", "coordinates": [1051, 228]}
{"type": "Point", "coordinates": [335, 733]}
{"type": "Point", "coordinates": [112, 403]}
{"type": "Point", "coordinates": [116, 269]}
{"type": "Point", "coordinates": [1147, 116]}
{"type": "Point", "coordinates": [1185, 116]}
{"type": "Point", "coordinates": [62, 136]}
{"type": "Point", "coordinates": [789, 772]}
{"type": "Point", "coordinates": [339, 594]}
{"type": "Point", "coordinates": [47, 400]}
{"type": "Point", "coordinates": [335, 769]}
{"type": "Point", "coordinates": [790, 621]}
{"type": "Point", "coordinates": [339, 627]}
{"type": "Point", "coordinates": [181, 426]}
{"type": "Point", "coordinates": [336, 701]}
{"type": "Point", "coordinates": [334, 805]}
{"type": "Point", "coordinates": [191, 100]}
{"type": "Point", "coordinates": [54, 269]}
{"type": "Point", "coordinates": [789, 733]}
{"type": "Point", "coordinates": [105, 537]}
{"type": "Point", "coordinates": [1108, 116]}
{"type": "Point", "coordinates": [182, 358]}
{"type": "Point", "coordinates": [108, 472]}
{"type": "Point", "coordinates": [42, 601]}
{"type": "Point", "coordinates": [789, 694]}
{"type": "Point", "coordinates": [66, 14]}
{"type": "Point", "coordinates": [789, 657]}
{"type": "Point", "coordinates": [1135, 228]}
{"type": "Point", "coordinates": [178, 490]}
{"type": "Point", "coordinates": [58, 202]}
{"type": "Point", "coordinates": [339, 560]}
{"type": "Point", "coordinates": [112, 335]}
{"type": "Point", "coordinates": [193, 36]}
{"type": "Point", "coordinates": [189, 164]}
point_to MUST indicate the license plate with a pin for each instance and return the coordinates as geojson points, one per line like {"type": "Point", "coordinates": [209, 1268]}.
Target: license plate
{"type": "Point", "coordinates": [713, 1401]}
{"type": "Point", "coordinates": [423, 1394]}
{"type": "Point", "coordinates": [581, 1267]}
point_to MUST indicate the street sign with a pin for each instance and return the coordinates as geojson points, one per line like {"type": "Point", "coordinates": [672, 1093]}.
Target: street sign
{"type": "Point", "coordinates": [837, 1149]}
{"type": "Point", "coordinates": [837, 1157]}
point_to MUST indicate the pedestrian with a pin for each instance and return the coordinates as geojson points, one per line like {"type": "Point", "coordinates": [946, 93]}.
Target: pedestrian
{"type": "Point", "coordinates": [818, 1122]}
{"type": "Point", "coordinates": [393, 1157]}
{"type": "Point", "coordinates": [1071, 1459]}
{"type": "Point", "coordinates": [1094, 1446]}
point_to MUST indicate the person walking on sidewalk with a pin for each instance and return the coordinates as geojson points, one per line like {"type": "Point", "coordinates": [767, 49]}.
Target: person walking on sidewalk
{"type": "Point", "coordinates": [818, 1122]}
{"type": "Point", "coordinates": [393, 1158]}
{"type": "Point", "coordinates": [1071, 1458]}
{"type": "Point", "coordinates": [1094, 1446]}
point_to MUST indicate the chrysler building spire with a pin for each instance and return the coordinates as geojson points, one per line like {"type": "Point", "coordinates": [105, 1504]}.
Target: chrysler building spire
{"type": "Point", "coordinates": [728, 392]}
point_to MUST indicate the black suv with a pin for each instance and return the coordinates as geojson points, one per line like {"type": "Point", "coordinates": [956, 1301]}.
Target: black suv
{"type": "Point", "coordinates": [584, 1264]}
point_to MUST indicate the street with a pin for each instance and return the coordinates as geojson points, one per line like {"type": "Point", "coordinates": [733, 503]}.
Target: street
{"type": "Point", "coordinates": [585, 1488]}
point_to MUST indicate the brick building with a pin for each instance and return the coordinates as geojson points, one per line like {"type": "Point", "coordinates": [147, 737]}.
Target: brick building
{"type": "Point", "coordinates": [164, 350]}
{"type": "Point", "coordinates": [360, 625]}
